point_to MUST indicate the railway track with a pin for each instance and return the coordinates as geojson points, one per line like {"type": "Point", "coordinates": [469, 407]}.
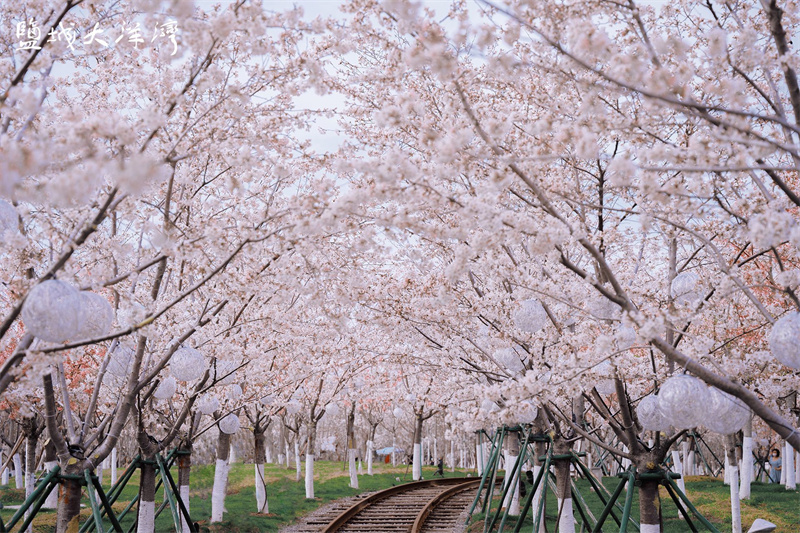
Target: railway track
{"type": "Point", "coordinates": [430, 506]}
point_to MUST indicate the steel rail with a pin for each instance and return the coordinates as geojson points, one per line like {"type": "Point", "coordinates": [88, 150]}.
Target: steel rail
{"type": "Point", "coordinates": [371, 500]}
{"type": "Point", "coordinates": [423, 515]}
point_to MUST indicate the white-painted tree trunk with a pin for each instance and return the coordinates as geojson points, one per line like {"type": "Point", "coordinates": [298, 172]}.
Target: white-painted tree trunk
{"type": "Point", "coordinates": [736, 512]}
{"type": "Point", "coordinates": [566, 523]}
{"type": "Point", "coordinates": [747, 468]}
{"type": "Point", "coordinates": [183, 490]}
{"type": "Point", "coordinates": [219, 489]}
{"type": "Point", "coordinates": [19, 480]}
{"type": "Point", "coordinates": [479, 458]}
{"type": "Point", "coordinates": [4, 474]}
{"type": "Point", "coordinates": [788, 467]}
{"type": "Point", "coordinates": [394, 456]}
{"type": "Point", "coordinates": [416, 473]}
{"type": "Point", "coordinates": [435, 457]}
{"type": "Point", "coordinates": [797, 466]}
{"type": "Point", "coordinates": [678, 467]}
{"type": "Point", "coordinates": [310, 476]}
{"type": "Point", "coordinates": [52, 499]}
{"type": "Point", "coordinates": [537, 497]}
{"type": "Point", "coordinates": [351, 465]}
{"type": "Point", "coordinates": [783, 464]}
{"type": "Point", "coordinates": [692, 464]}
{"type": "Point", "coordinates": [146, 518]}
{"type": "Point", "coordinates": [268, 451]}
{"type": "Point", "coordinates": [262, 504]}
{"type": "Point", "coordinates": [369, 457]}
{"type": "Point", "coordinates": [360, 467]}
{"type": "Point", "coordinates": [299, 474]}
{"type": "Point", "coordinates": [626, 463]}
{"type": "Point", "coordinates": [452, 457]}
{"type": "Point", "coordinates": [650, 528]}
{"type": "Point", "coordinates": [113, 465]}
{"type": "Point", "coordinates": [287, 455]}
{"type": "Point", "coordinates": [685, 468]}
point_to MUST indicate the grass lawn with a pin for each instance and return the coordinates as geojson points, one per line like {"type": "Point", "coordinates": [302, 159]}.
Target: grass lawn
{"type": "Point", "coordinates": [710, 496]}
{"type": "Point", "coordinates": [287, 500]}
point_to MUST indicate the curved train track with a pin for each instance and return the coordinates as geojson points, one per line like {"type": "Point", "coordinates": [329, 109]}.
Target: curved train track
{"type": "Point", "coordinates": [429, 506]}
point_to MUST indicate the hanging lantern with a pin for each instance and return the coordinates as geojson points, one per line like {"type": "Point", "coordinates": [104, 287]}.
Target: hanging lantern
{"type": "Point", "coordinates": [529, 412]}
{"type": "Point", "coordinates": [120, 362]}
{"type": "Point", "coordinates": [333, 410]}
{"type": "Point", "coordinates": [293, 407]}
{"type": "Point", "coordinates": [233, 392]}
{"type": "Point", "coordinates": [725, 414]}
{"type": "Point", "coordinates": [268, 400]}
{"type": "Point", "coordinates": [508, 358]}
{"type": "Point", "coordinates": [489, 406]}
{"type": "Point", "coordinates": [397, 412]}
{"type": "Point", "coordinates": [52, 311]}
{"type": "Point", "coordinates": [9, 219]}
{"type": "Point", "coordinates": [604, 385]}
{"type": "Point", "coordinates": [650, 415]}
{"type": "Point", "coordinates": [683, 288]}
{"type": "Point", "coordinates": [230, 424]}
{"type": "Point", "coordinates": [604, 309]}
{"type": "Point", "coordinates": [530, 316]}
{"type": "Point", "coordinates": [166, 389]}
{"type": "Point", "coordinates": [131, 314]}
{"type": "Point", "coordinates": [207, 404]}
{"type": "Point", "coordinates": [684, 400]}
{"type": "Point", "coordinates": [97, 315]}
{"type": "Point", "coordinates": [187, 364]}
{"type": "Point", "coordinates": [626, 337]}
{"type": "Point", "coordinates": [784, 340]}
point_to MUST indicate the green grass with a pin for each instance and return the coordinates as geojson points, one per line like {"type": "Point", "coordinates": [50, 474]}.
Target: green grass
{"type": "Point", "coordinates": [287, 500]}
{"type": "Point", "coordinates": [710, 496]}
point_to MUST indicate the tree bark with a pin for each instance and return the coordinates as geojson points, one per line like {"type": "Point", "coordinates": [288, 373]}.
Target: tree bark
{"type": "Point", "coordinates": [747, 459]}
{"type": "Point", "coordinates": [351, 446]}
{"type": "Point", "coordinates": [312, 440]}
{"type": "Point", "coordinates": [416, 474]}
{"type": "Point", "coordinates": [184, 474]}
{"type": "Point", "coordinates": [566, 518]}
{"type": "Point", "coordinates": [736, 513]}
{"type": "Point", "coordinates": [50, 462]}
{"type": "Point", "coordinates": [147, 496]}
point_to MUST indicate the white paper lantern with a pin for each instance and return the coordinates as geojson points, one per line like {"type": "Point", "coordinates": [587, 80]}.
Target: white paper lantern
{"type": "Point", "coordinates": [650, 414]}
{"type": "Point", "coordinates": [784, 340]}
{"type": "Point", "coordinates": [166, 389]}
{"type": "Point", "coordinates": [131, 314]}
{"type": "Point", "coordinates": [530, 316]}
{"type": "Point", "coordinates": [626, 337]}
{"type": "Point", "coordinates": [97, 315]}
{"type": "Point", "coordinates": [120, 362]}
{"type": "Point", "coordinates": [508, 358]}
{"type": "Point", "coordinates": [293, 407]}
{"type": "Point", "coordinates": [528, 413]}
{"type": "Point", "coordinates": [604, 384]}
{"type": "Point", "coordinates": [226, 372]}
{"type": "Point", "coordinates": [233, 392]}
{"type": "Point", "coordinates": [268, 400]}
{"type": "Point", "coordinates": [52, 311]}
{"type": "Point", "coordinates": [489, 406]}
{"type": "Point", "coordinates": [684, 288]}
{"type": "Point", "coordinates": [603, 309]}
{"type": "Point", "coordinates": [229, 424]}
{"type": "Point", "coordinates": [9, 219]}
{"type": "Point", "coordinates": [333, 410]}
{"type": "Point", "coordinates": [725, 414]}
{"type": "Point", "coordinates": [684, 400]}
{"type": "Point", "coordinates": [397, 412]}
{"type": "Point", "coordinates": [207, 404]}
{"type": "Point", "coordinates": [187, 364]}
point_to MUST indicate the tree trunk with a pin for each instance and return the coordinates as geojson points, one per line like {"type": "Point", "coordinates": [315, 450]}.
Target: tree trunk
{"type": "Point", "coordinates": [747, 459]}
{"type": "Point", "coordinates": [566, 518]}
{"type": "Point", "coordinates": [262, 505]}
{"type": "Point", "coordinates": [512, 496]}
{"type": "Point", "coordinates": [184, 473]}
{"type": "Point", "coordinates": [416, 474]}
{"type": "Point", "coordinates": [649, 499]}
{"type": "Point", "coordinates": [299, 474]}
{"type": "Point", "coordinates": [50, 462]}
{"type": "Point", "coordinates": [147, 497]}
{"type": "Point", "coordinates": [30, 466]}
{"type": "Point", "coordinates": [677, 466]}
{"type": "Point", "coordinates": [220, 477]}
{"type": "Point", "coordinates": [69, 504]}
{"type": "Point", "coordinates": [369, 457]}
{"type": "Point", "coordinates": [788, 467]}
{"type": "Point", "coordinates": [4, 474]}
{"type": "Point", "coordinates": [312, 440]}
{"type": "Point", "coordinates": [351, 447]}
{"type": "Point", "coordinates": [114, 464]}
{"type": "Point", "coordinates": [282, 446]}
{"type": "Point", "coordinates": [736, 514]}
{"type": "Point", "coordinates": [19, 479]}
